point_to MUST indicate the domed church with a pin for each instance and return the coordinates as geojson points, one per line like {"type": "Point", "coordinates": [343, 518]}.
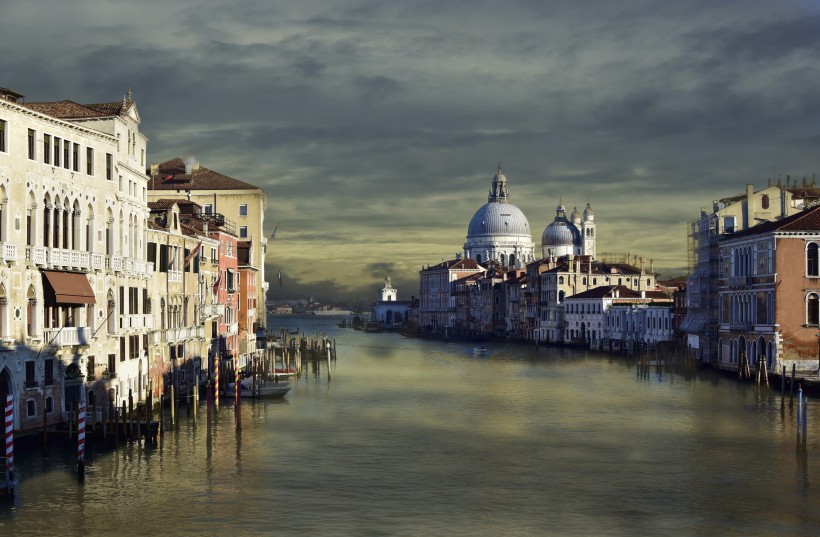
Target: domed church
{"type": "Point", "coordinates": [575, 235]}
{"type": "Point", "coordinates": [499, 231]}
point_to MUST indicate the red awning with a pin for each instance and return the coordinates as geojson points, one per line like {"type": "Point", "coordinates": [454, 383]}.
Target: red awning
{"type": "Point", "coordinates": [67, 288]}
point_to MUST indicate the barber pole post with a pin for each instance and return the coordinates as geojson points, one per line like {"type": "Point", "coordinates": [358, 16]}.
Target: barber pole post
{"type": "Point", "coordinates": [81, 442]}
{"type": "Point", "coordinates": [9, 422]}
{"type": "Point", "coordinates": [237, 387]}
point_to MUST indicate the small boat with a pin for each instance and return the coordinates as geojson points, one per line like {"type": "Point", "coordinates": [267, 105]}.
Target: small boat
{"type": "Point", "coordinates": [479, 349]}
{"type": "Point", "coordinates": [261, 389]}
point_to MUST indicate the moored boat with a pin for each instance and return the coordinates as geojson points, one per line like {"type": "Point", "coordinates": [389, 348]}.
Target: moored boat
{"type": "Point", "coordinates": [247, 388]}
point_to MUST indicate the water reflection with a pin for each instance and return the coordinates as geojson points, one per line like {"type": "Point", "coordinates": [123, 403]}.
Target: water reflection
{"type": "Point", "coordinates": [413, 437]}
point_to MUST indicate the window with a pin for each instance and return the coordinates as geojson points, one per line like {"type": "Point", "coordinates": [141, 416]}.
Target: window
{"type": "Point", "coordinates": [49, 405]}
{"type": "Point", "coordinates": [3, 129]}
{"type": "Point", "coordinates": [812, 260]}
{"type": "Point", "coordinates": [728, 224]}
{"type": "Point", "coordinates": [32, 147]}
{"type": "Point", "coordinates": [812, 311]}
{"type": "Point", "coordinates": [56, 151]}
{"type": "Point", "coordinates": [764, 201]}
{"type": "Point", "coordinates": [30, 381]}
{"type": "Point", "coordinates": [47, 148]}
{"type": "Point", "coordinates": [31, 408]}
{"type": "Point", "coordinates": [109, 166]}
{"type": "Point", "coordinates": [89, 161]}
{"type": "Point", "coordinates": [243, 232]}
{"type": "Point", "coordinates": [49, 372]}
{"type": "Point", "coordinates": [209, 209]}
{"type": "Point", "coordinates": [66, 149]}
{"type": "Point", "coordinates": [243, 209]}
{"type": "Point", "coordinates": [75, 164]}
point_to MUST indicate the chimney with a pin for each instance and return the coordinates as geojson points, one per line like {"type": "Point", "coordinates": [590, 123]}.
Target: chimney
{"type": "Point", "coordinates": [652, 266]}
{"type": "Point", "coordinates": [643, 262]}
{"type": "Point", "coordinates": [643, 293]}
{"type": "Point", "coordinates": [154, 170]}
{"type": "Point", "coordinates": [195, 167]}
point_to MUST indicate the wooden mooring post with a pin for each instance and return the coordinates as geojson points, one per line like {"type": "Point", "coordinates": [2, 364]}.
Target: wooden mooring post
{"type": "Point", "coordinates": [8, 421]}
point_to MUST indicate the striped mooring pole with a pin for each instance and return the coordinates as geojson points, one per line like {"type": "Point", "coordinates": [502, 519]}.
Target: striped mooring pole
{"type": "Point", "coordinates": [81, 442]}
{"type": "Point", "coordinates": [9, 422]}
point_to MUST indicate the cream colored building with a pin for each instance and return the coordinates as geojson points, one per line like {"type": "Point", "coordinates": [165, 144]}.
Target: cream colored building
{"type": "Point", "coordinates": [73, 274]}
{"type": "Point", "coordinates": [242, 206]}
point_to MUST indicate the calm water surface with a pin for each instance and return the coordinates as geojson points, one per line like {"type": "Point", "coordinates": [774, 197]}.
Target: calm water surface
{"type": "Point", "coordinates": [412, 437]}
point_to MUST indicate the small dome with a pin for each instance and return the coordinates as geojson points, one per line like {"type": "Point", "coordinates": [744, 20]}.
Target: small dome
{"type": "Point", "coordinates": [560, 233]}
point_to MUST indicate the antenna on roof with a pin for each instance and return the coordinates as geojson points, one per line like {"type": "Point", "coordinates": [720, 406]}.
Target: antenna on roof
{"type": "Point", "coordinates": [273, 235]}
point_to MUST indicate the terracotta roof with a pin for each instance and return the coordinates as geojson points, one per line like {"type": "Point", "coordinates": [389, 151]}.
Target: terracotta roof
{"type": "Point", "coordinates": [456, 264]}
{"type": "Point", "coordinates": [623, 292]}
{"type": "Point", "coordinates": [172, 176]}
{"type": "Point", "coordinates": [161, 205]}
{"type": "Point", "coordinates": [808, 220]}
{"type": "Point", "coordinates": [70, 110]}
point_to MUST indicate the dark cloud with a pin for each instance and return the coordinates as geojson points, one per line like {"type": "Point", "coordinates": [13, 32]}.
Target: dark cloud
{"type": "Point", "coordinates": [375, 126]}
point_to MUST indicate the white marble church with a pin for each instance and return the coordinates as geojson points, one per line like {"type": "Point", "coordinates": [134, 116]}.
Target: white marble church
{"type": "Point", "coordinates": [499, 231]}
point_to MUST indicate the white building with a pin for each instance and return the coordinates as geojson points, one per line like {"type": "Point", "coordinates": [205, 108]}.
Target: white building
{"type": "Point", "coordinates": [499, 231]}
{"type": "Point", "coordinates": [73, 275]}
{"type": "Point", "coordinates": [574, 236]}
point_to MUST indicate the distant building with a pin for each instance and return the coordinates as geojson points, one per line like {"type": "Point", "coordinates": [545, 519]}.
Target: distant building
{"type": "Point", "coordinates": [389, 312]}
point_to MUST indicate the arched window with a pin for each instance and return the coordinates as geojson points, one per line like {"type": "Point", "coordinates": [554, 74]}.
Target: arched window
{"type": "Point", "coordinates": [560, 280]}
{"type": "Point", "coordinates": [31, 312]}
{"type": "Point", "coordinates": [764, 201]}
{"type": "Point", "coordinates": [812, 311]}
{"type": "Point", "coordinates": [811, 260]}
{"type": "Point", "coordinates": [560, 296]}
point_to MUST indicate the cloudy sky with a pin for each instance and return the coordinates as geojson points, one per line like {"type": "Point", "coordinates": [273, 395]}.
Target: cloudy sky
{"type": "Point", "coordinates": [376, 126]}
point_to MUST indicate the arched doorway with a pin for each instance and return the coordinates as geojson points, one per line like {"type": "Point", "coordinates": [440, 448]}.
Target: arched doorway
{"type": "Point", "coordinates": [5, 387]}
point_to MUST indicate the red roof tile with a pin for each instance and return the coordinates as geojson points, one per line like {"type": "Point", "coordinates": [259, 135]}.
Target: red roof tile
{"type": "Point", "coordinates": [172, 176]}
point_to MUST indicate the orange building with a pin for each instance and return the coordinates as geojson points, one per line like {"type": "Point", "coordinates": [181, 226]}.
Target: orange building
{"type": "Point", "coordinates": [769, 295]}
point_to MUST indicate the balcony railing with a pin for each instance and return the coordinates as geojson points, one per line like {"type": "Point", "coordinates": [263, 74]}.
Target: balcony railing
{"type": "Point", "coordinates": [67, 336]}
{"type": "Point", "coordinates": [97, 261]}
{"type": "Point", "coordinates": [213, 310]}
{"type": "Point", "coordinates": [174, 275]}
{"type": "Point", "coordinates": [9, 252]}
{"type": "Point", "coordinates": [740, 326]}
{"type": "Point", "coordinates": [115, 263]}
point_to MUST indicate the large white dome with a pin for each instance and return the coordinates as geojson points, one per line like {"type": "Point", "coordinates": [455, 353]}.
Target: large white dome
{"type": "Point", "coordinates": [499, 231]}
{"type": "Point", "coordinates": [498, 218]}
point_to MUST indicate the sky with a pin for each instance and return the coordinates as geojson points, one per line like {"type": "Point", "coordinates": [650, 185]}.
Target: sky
{"type": "Point", "coordinates": [375, 127]}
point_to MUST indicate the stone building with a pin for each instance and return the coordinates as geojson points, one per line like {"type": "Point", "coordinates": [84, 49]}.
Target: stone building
{"type": "Point", "coordinates": [240, 204]}
{"type": "Point", "coordinates": [73, 275]}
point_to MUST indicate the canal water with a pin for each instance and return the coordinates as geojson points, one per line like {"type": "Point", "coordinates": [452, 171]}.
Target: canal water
{"type": "Point", "coordinates": [414, 437]}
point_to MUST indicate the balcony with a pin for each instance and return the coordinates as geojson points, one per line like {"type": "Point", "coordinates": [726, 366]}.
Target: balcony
{"type": "Point", "coordinates": [136, 322]}
{"type": "Point", "coordinates": [210, 311]}
{"type": "Point", "coordinates": [97, 262]}
{"type": "Point", "coordinates": [67, 336]}
{"type": "Point", "coordinates": [740, 326]}
{"type": "Point", "coordinates": [174, 275]}
{"type": "Point", "coordinates": [233, 329]}
{"type": "Point", "coordinates": [115, 263]}
{"type": "Point", "coordinates": [9, 252]}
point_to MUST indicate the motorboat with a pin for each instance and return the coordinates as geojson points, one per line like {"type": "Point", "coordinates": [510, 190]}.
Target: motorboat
{"type": "Point", "coordinates": [271, 388]}
{"type": "Point", "coordinates": [479, 350]}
